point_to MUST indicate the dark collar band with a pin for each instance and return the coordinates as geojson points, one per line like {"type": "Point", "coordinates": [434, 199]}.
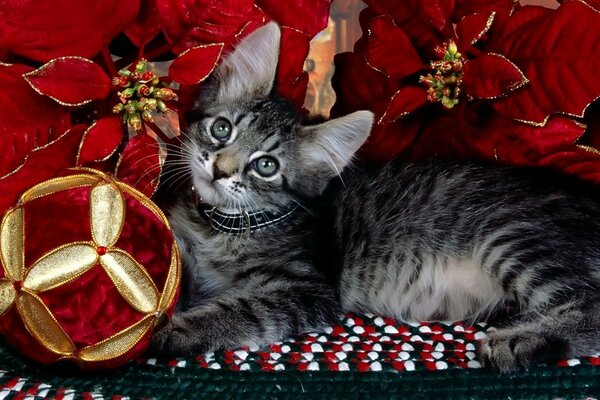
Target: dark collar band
{"type": "Point", "coordinates": [243, 223]}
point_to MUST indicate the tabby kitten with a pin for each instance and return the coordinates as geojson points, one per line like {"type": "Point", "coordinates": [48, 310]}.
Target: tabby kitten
{"type": "Point", "coordinates": [275, 244]}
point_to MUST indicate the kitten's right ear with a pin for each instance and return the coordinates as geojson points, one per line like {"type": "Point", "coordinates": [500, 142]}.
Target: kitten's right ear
{"type": "Point", "coordinates": [249, 71]}
{"type": "Point", "coordinates": [326, 149]}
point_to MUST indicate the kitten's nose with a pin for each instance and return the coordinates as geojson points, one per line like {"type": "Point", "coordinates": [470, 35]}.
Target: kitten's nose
{"type": "Point", "coordinates": [225, 165]}
{"type": "Point", "coordinates": [218, 173]}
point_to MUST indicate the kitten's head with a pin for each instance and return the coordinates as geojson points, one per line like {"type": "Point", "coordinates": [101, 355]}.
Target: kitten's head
{"type": "Point", "coordinates": [249, 148]}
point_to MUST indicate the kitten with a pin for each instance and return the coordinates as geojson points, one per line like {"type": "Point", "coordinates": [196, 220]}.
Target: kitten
{"type": "Point", "coordinates": [269, 252]}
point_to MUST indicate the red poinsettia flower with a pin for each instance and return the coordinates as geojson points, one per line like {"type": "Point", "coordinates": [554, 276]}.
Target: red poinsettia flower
{"type": "Point", "coordinates": [472, 79]}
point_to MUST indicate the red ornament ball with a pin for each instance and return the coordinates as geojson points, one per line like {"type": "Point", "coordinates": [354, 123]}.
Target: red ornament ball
{"type": "Point", "coordinates": [88, 267]}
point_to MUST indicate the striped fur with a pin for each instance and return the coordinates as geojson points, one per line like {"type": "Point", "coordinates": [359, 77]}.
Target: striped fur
{"type": "Point", "coordinates": [427, 241]}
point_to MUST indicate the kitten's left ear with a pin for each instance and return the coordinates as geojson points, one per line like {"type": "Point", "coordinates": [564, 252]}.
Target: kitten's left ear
{"type": "Point", "coordinates": [326, 149]}
{"type": "Point", "coordinates": [249, 71]}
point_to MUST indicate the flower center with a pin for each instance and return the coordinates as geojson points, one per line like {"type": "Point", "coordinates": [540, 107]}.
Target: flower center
{"type": "Point", "coordinates": [444, 85]}
{"type": "Point", "coordinates": [143, 94]}
{"type": "Point", "coordinates": [18, 285]}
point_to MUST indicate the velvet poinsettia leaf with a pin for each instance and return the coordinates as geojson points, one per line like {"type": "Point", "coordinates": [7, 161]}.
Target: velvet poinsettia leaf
{"type": "Point", "coordinates": [140, 164]}
{"type": "Point", "coordinates": [390, 50]}
{"type": "Point", "coordinates": [195, 65]}
{"type": "Point", "coordinates": [490, 76]}
{"type": "Point", "coordinates": [388, 141]}
{"type": "Point", "coordinates": [101, 140]}
{"type": "Point", "coordinates": [580, 161]}
{"type": "Point", "coordinates": [40, 164]}
{"type": "Point", "coordinates": [473, 28]}
{"type": "Point", "coordinates": [520, 17]}
{"type": "Point", "coordinates": [516, 143]}
{"type": "Point", "coordinates": [27, 120]}
{"type": "Point", "coordinates": [560, 54]}
{"type": "Point", "coordinates": [468, 7]}
{"type": "Point", "coordinates": [413, 17]}
{"type": "Point", "coordinates": [403, 102]}
{"type": "Point", "coordinates": [307, 16]}
{"type": "Point", "coordinates": [43, 30]}
{"type": "Point", "coordinates": [357, 85]}
{"type": "Point", "coordinates": [147, 25]}
{"type": "Point", "coordinates": [70, 81]}
{"type": "Point", "coordinates": [187, 24]}
{"type": "Point", "coordinates": [292, 81]}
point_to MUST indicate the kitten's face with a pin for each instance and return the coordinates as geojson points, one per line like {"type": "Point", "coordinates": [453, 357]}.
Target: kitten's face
{"type": "Point", "coordinates": [243, 155]}
{"type": "Point", "coordinates": [246, 147]}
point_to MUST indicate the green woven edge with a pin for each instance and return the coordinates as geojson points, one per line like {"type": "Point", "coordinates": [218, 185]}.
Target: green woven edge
{"type": "Point", "coordinates": [139, 381]}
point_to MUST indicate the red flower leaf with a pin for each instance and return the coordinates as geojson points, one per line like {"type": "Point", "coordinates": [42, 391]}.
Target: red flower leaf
{"type": "Point", "coordinates": [292, 81]}
{"type": "Point", "coordinates": [592, 3]}
{"type": "Point", "coordinates": [580, 161]}
{"type": "Point", "coordinates": [140, 164]}
{"type": "Point", "coordinates": [404, 102]}
{"type": "Point", "coordinates": [562, 67]}
{"type": "Point", "coordinates": [308, 16]}
{"type": "Point", "coordinates": [358, 86]}
{"type": "Point", "coordinates": [519, 18]}
{"type": "Point", "coordinates": [27, 120]}
{"type": "Point", "coordinates": [196, 64]}
{"type": "Point", "coordinates": [100, 141]}
{"type": "Point", "coordinates": [188, 24]}
{"type": "Point", "coordinates": [146, 26]}
{"type": "Point", "coordinates": [521, 144]}
{"type": "Point", "coordinates": [387, 141]}
{"type": "Point", "coordinates": [468, 7]}
{"type": "Point", "coordinates": [390, 50]}
{"type": "Point", "coordinates": [49, 29]}
{"type": "Point", "coordinates": [70, 81]}
{"type": "Point", "coordinates": [416, 20]}
{"type": "Point", "coordinates": [40, 164]}
{"type": "Point", "coordinates": [472, 28]}
{"type": "Point", "coordinates": [490, 76]}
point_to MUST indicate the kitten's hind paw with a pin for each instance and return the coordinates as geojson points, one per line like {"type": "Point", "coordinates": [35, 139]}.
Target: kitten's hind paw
{"type": "Point", "coordinates": [509, 351]}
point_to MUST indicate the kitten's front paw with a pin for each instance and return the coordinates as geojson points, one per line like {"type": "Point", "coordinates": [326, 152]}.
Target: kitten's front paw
{"type": "Point", "coordinates": [177, 338]}
{"type": "Point", "coordinates": [511, 351]}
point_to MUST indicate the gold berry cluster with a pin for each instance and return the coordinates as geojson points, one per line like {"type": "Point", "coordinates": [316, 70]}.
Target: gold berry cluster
{"type": "Point", "coordinates": [444, 85]}
{"type": "Point", "coordinates": [142, 95]}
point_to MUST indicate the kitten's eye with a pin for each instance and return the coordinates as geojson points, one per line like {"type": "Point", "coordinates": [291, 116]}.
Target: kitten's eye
{"type": "Point", "coordinates": [221, 130]}
{"type": "Point", "coordinates": [265, 166]}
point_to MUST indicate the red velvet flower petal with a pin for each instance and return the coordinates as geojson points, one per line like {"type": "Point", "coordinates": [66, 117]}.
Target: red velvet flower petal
{"type": "Point", "coordinates": [562, 67]}
{"type": "Point", "coordinates": [390, 50]}
{"type": "Point", "coordinates": [195, 65]}
{"type": "Point", "coordinates": [404, 102]}
{"type": "Point", "coordinates": [27, 120]}
{"type": "Point", "coordinates": [292, 81]}
{"type": "Point", "coordinates": [519, 18]}
{"type": "Point", "coordinates": [415, 19]}
{"type": "Point", "coordinates": [100, 141]}
{"type": "Point", "coordinates": [308, 16]}
{"type": "Point", "coordinates": [70, 81]}
{"type": "Point", "coordinates": [387, 141]}
{"type": "Point", "coordinates": [468, 7]}
{"type": "Point", "coordinates": [187, 24]}
{"type": "Point", "coordinates": [358, 86]}
{"type": "Point", "coordinates": [43, 30]}
{"type": "Point", "coordinates": [472, 28]}
{"type": "Point", "coordinates": [490, 76]}
{"type": "Point", "coordinates": [579, 161]}
{"type": "Point", "coordinates": [40, 164]}
{"type": "Point", "coordinates": [146, 26]}
{"type": "Point", "coordinates": [140, 164]}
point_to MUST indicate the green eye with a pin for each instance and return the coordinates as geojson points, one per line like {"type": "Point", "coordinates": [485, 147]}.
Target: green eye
{"type": "Point", "coordinates": [221, 129]}
{"type": "Point", "coordinates": [265, 166]}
